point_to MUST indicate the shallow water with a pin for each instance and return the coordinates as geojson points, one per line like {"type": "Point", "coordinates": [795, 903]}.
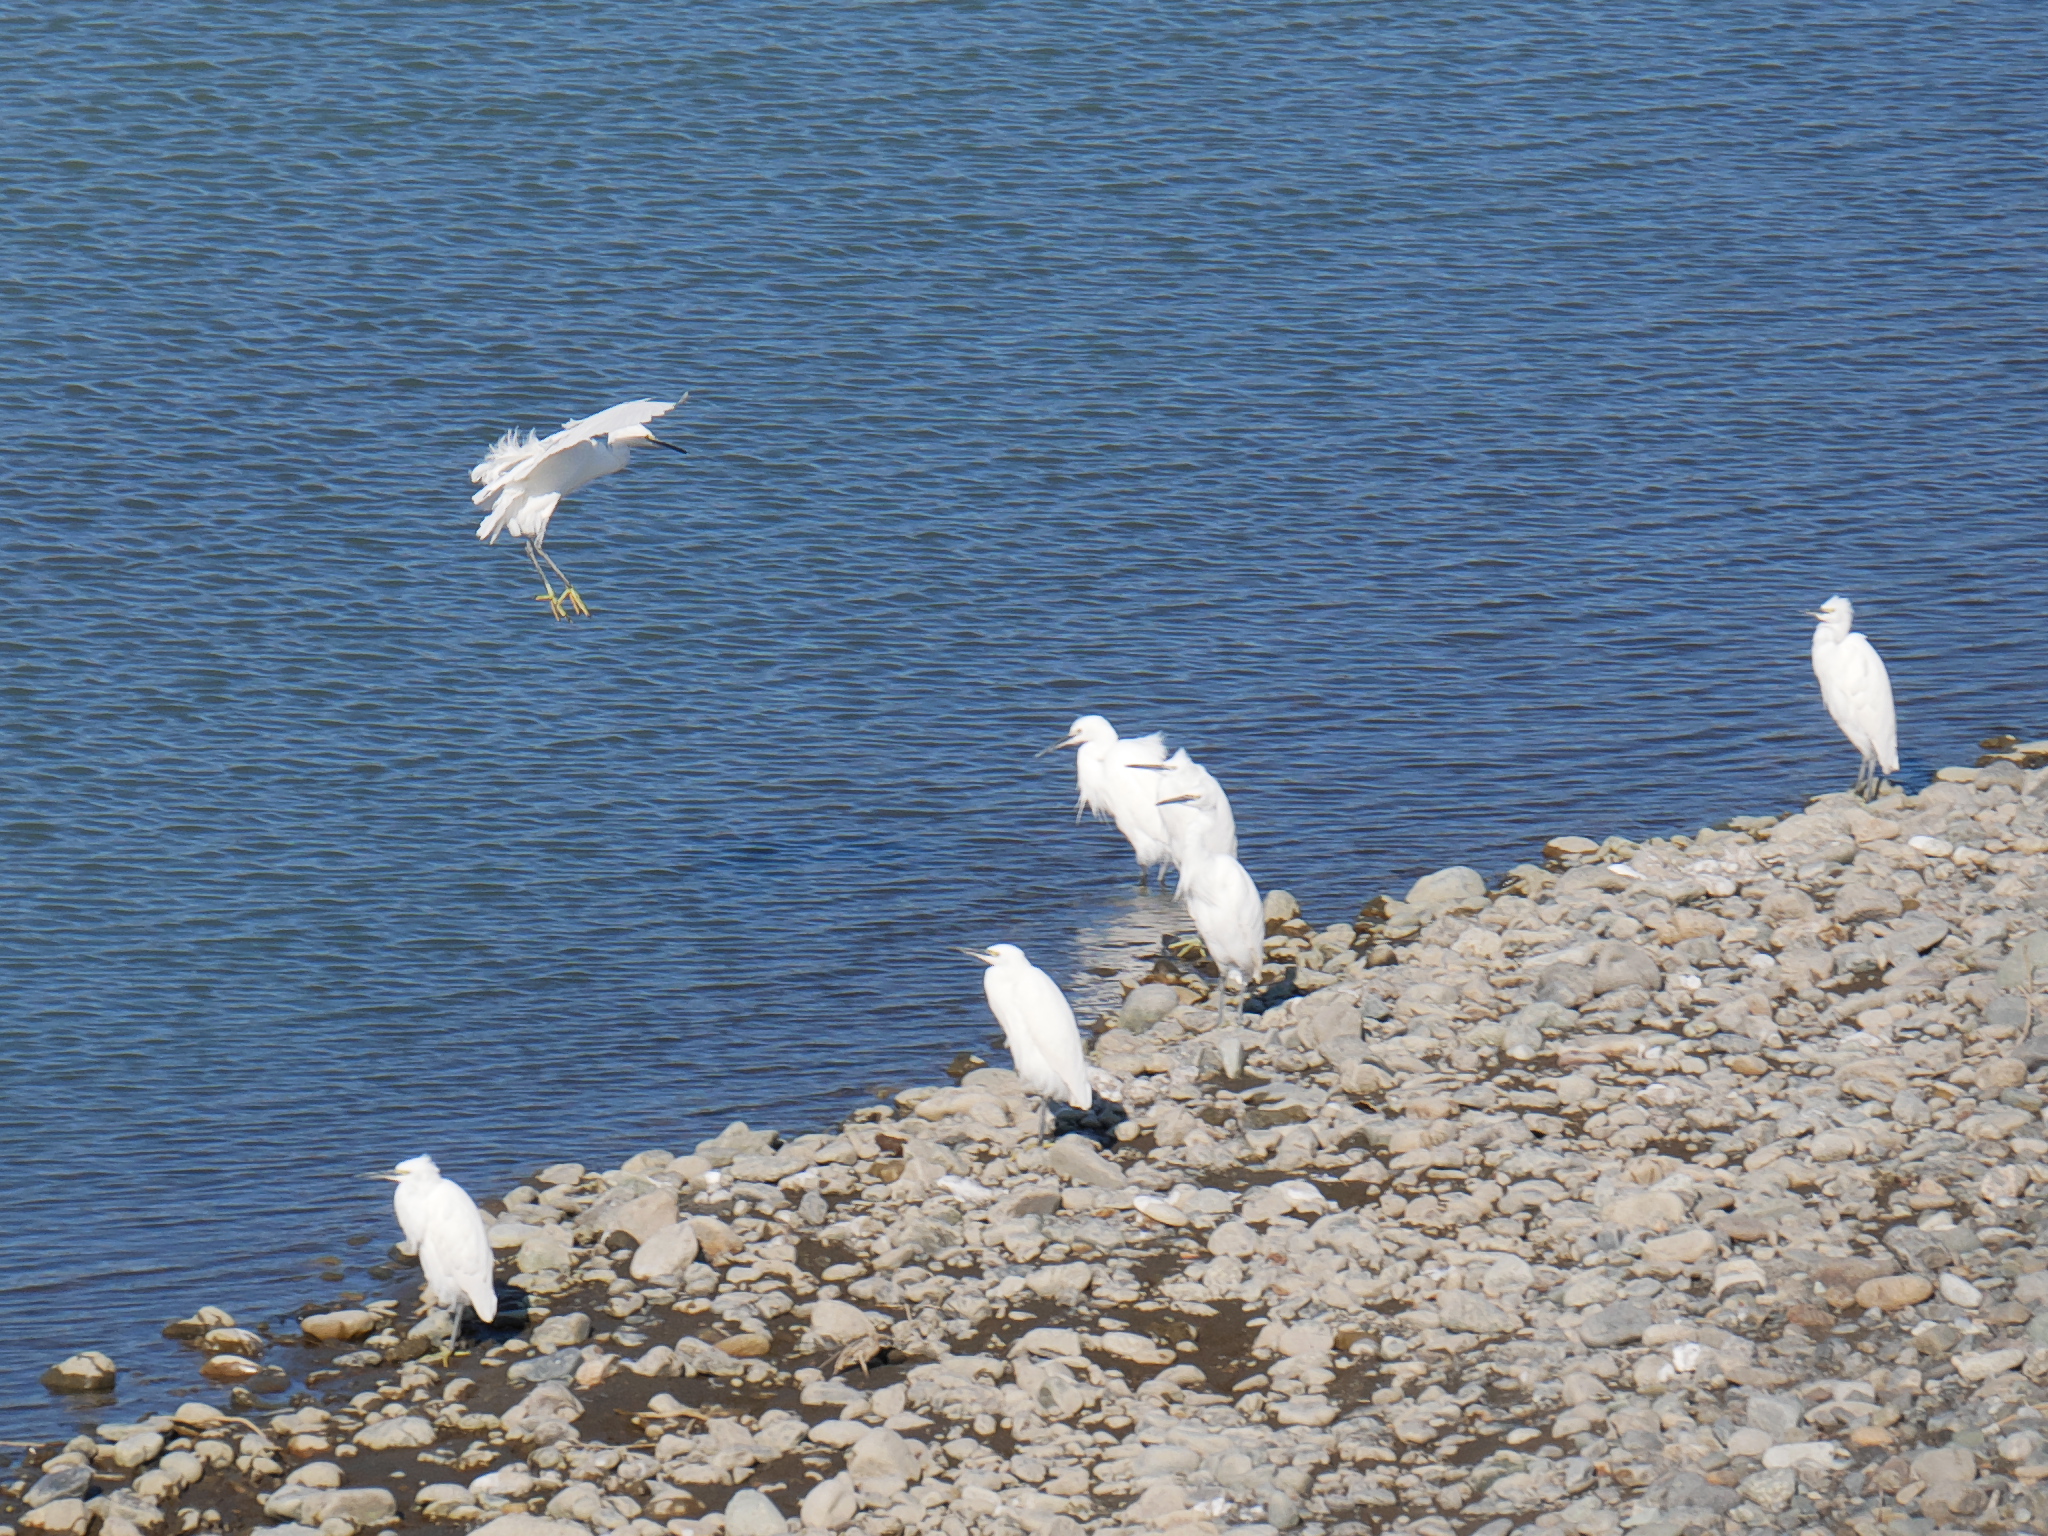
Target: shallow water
{"type": "Point", "coordinates": [1436, 419]}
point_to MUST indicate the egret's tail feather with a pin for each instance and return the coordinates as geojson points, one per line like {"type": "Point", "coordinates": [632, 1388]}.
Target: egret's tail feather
{"type": "Point", "coordinates": [516, 513]}
{"type": "Point", "coordinates": [514, 445]}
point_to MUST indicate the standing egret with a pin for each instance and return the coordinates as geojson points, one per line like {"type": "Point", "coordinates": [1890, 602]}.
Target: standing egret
{"type": "Point", "coordinates": [1857, 692]}
{"type": "Point", "coordinates": [1038, 1025]}
{"type": "Point", "coordinates": [1195, 811]}
{"type": "Point", "coordinates": [1111, 774]}
{"type": "Point", "coordinates": [1231, 920]}
{"type": "Point", "coordinates": [525, 478]}
{"type": "Point", "coordinates": [445, 1227]}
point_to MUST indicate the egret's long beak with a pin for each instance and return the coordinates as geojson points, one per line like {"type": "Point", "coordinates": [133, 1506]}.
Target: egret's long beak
{"type": "Point", "coordinates": [1071, 741]}
{"type": "Point", "coordinates": [671, 447]}
{"type": "Point", "coordinates": [393, 1178]}
{"type": "Point", "coordinates": [982, 956]}
{"type": "Point", "coordinates": [1179, 799]}
{"type": "Point", "coordinates": [1816, 615]}
{"type": "Point", "coordinates": [1148, 767]}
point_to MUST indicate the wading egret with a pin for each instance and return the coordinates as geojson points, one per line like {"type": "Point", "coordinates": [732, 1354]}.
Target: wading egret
{"type": "Point", "coordinates": [445, 1227]}
{"type": "Point", "coordinates": [1857, 692]}
{"type": "Point", "coordinates": [525, 477]}
{"type": "Point", "coordinates": [1195, 811]}
{"type": "Point", "coordinates": [1038, 1025]}
{"type": "Point", "coordinates": [1112, 775]}
{"type": "Point", "coordinates": [1231, 920]}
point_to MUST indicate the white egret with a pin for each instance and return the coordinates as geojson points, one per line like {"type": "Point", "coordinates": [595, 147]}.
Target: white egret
{"type": "Point", "coordinates": [446, 1229]}
{"type": "Point", "coordinates": [1038, 1025]}
{"type": "Point", "coordinates": [1195, 811]}
{"type": "Point", "coordinates": [525, 478]}
{"type": "Point", "coordinates": [1857, 692]}
{"type": "Point", "coordinates": [1111, 773]}
{"type": "Point", "coordinates": [1231, 920]}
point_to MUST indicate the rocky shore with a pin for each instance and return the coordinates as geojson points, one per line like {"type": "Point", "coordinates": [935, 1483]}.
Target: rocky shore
{"type": "Point", "coordinates": [1695, 1185]}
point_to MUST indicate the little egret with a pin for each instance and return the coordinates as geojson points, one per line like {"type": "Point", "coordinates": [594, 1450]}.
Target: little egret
{"type": "Point", "coordinates": [525, 478]}
{"type": "Point", "coordinates": [1195, 811]}
{"type": "Point", "coordinates": [445, 1227]}
{"type": "Point", "coordinates": [1038, 1025]}
{"type": "Point", "coordinates": [1111, 774]}
{"type": "Point", "coordinates": [1231, 920]}
{"type": "Point", "coordinates": [1857, 692]}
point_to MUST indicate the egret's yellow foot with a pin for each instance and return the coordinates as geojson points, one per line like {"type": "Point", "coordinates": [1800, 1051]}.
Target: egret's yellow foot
{"type": "Point", "coordinates": [570, 596]}
{"type": "Point", "coordinates": [553, 602]}
{"type": "Point", "coordinates": [1187, 948]}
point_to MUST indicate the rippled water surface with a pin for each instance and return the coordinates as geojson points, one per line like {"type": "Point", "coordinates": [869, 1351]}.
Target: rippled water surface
{"type": "Point", "coordinates": [1436, 418]}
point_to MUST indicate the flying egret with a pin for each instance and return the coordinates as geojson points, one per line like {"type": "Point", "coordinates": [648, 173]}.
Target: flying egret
{"type": "Point", "coordinates": [1111, 773]}
{"type": "Point", "coordinates": [445, 1227]}
{"type": "Point", "coordinates": [1038, 1025]}
{"type": "Point", "coordinates": [1194, 810]}
{"type": "Point", "coordinates": [1231, 920]}
{"type": "Point", "coordinates": [1857, 692]}
{"type": "Point", "coordinates": [525, 478]}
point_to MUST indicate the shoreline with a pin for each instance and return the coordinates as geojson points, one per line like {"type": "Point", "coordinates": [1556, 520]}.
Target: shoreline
{"type": "Point", "coordinates": [1689, 1184]}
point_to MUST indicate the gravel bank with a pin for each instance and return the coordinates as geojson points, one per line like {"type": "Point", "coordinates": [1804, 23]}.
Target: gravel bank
{"type": "Point", "coordinates": [1688, 1186]}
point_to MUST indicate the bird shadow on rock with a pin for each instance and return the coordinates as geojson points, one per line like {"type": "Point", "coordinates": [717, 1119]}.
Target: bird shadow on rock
{"type": "Point", "coordinates": [1098, 1122]}
{"type": "Point", "coordinates": [511, 1321]}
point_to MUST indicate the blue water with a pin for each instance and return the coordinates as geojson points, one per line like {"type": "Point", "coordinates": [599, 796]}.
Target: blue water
{"type": "Point", "coordinates": [1437, 418]}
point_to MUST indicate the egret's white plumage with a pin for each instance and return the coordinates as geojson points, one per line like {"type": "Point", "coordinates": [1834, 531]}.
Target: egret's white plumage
{"type": "Point", "coordinates": [1856, 690]}
{"type": "Point", "coordinates": [1195, 811]}
{"type": "Point", "coordinates": [1038, 1025]}
{"type": "Point", "coordinates": [525, 476]}
{"type": "Point", "coordinates": [1116, 779]}
{"type": "Point", "coordinates": [1230, 917]}
{"type": "Point", "coordinates": [445, 1227]}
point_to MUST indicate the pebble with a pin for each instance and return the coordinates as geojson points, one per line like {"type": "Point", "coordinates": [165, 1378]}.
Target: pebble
{"type": "Point", "coordinates": [1688, 1184]}
{"type": "Point", "coordinates": [88, 1371]}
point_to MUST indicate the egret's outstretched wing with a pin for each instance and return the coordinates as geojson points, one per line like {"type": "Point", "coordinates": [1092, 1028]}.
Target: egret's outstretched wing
{"type": "Point", "coordinates": [512, 456]}
{"type": "Point", "coordinates": [634, 413]}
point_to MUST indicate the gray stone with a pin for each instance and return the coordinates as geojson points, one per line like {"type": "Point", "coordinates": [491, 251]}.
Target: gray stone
{"type": "Point", "coordinates": [529, 1525]}
{"type": "Point", "coordinates": [1075, 1159]}
{"type": "Point", "coordinates": [840, 1322]}
{"type": "Point", "coordinates": [668, 1252]}
{"type": "Point", "coordinates": [1331, 1026]}
{"type": "Point", "coordinates": [630, 1207]}
{"type": "Point", "coordinates": [87, 1371]}
{"type": "Point", "coordinates": [882, 1453]}
{"type": "Point", "coordinates": [559, 1366]}
{"type": "Point", "coordinates": [1949, 1464]}
{"type": "Point", "coordinates": [1469, 1312]}
{"type": "Point", "coordinates": [396, 1434]}
{"type": "Point", "coordinates": [67, 1516]}
{"type": "Point", "coordinates": [1622, 1323]}
{"type": "Point", "coordinates": [549, 1400]}
{"type": "Point", "coordinates": [1146, 1006]}
{"type": "Point", "coordinates": [751, 1513]}
{"type": "Point", "coordinates": [543, 1251]}
{"type": "Point", "coordinates": [1624, 965]}
{"type": "Point", "coordinates": [2009, 1011]}
{"type": "Point", "coordinates": [831, 1505]}
{"type": "Point", "coordinates": [1280, 907]}
{"type": "Point", "coordinates": [1566, 985]}
{"type": "Point", "coordinates": [736, 1141]}
{"type": "Point", "coordinates": [63, 1483]}
{"type": "Point", "coordinates": [1520, 1040]}
{"type": "Point", "coordinates": [1447, 888]}
{"type": "Point", "coordinates": [1865, 904]}
{"type": "Point", "coordinates": [562, 1331]}
{"type": "Point", "coordinates": [1770, 1491]}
